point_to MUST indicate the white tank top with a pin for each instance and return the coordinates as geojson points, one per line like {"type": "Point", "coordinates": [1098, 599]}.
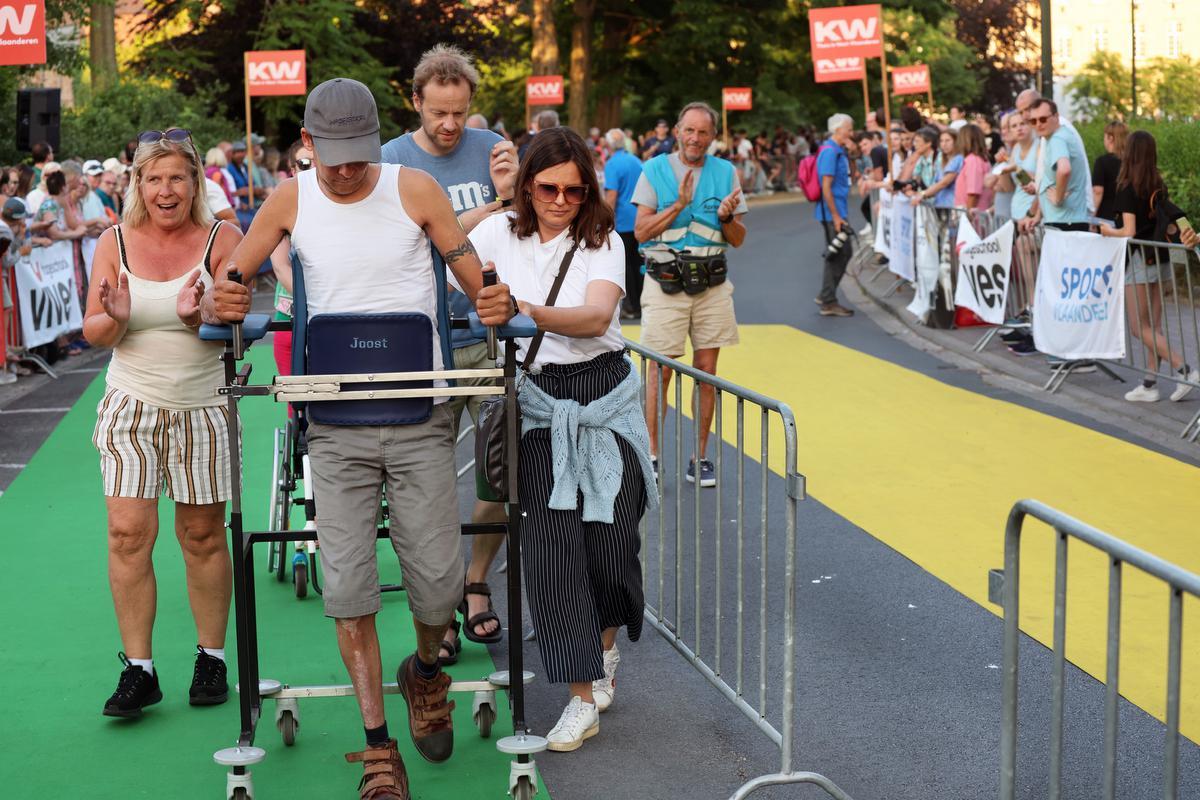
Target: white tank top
{"type": "Point", "coordinates": [160, 360]}
{"type": "Point", "coordinates": [367, 257]}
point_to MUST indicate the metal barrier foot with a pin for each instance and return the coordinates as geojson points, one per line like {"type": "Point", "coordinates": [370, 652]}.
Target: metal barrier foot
{"type": "Point", "coordinates": [785, 778]}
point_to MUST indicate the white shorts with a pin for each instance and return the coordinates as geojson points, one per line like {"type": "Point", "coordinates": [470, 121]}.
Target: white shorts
{"type": "Point", "coordinates": [144, 449]}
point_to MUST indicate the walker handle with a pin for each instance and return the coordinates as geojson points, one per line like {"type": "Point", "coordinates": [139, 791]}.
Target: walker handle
{"type": "Point", "coordinates": [238, 345]}
{"type": "Point", "coordinates": [490, 278]}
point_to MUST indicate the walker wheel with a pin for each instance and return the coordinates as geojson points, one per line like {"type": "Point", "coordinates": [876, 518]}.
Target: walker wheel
{"type": "Point", "coordinates": [300, 579]}
{"type": "Point", "coordinates": [484, 718]}
{"type": "Point", "coordinates": [524, 790]}
{"type": "Point", "coordinates": [287, 728]}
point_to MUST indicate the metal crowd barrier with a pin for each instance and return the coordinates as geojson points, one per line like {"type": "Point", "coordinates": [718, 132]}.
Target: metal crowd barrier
{"type": "Point", "coordinates": [701, 632]}
{"type": "Point", "coordinates": [11, 340]}
{"type": "Point", "coordinates": [1178, 580]}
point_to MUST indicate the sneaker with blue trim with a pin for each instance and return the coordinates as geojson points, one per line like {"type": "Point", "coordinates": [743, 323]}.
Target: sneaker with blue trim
{"type": "Point", "coordinates": [708, 473]}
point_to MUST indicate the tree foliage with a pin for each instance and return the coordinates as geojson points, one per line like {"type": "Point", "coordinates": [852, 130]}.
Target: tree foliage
{"type": "Point", "coordinates": [995, 35]}
{"type": "Point", "coordinates": [1168, 89]}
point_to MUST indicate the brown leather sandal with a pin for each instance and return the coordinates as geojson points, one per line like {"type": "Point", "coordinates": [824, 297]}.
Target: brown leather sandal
{"type": "Point", "coordinates": [384, 777]}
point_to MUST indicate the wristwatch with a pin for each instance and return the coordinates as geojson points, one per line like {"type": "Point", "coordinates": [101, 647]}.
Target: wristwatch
{"type": "Point", "coordinates": [506, 202]}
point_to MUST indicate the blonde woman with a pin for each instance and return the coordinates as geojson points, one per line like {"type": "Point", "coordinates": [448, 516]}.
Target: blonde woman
{"type": "Point", "coordinates": [160, 426]}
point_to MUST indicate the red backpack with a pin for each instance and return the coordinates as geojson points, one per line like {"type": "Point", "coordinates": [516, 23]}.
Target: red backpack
{"type": "Point", "coordinates": [807, 177]}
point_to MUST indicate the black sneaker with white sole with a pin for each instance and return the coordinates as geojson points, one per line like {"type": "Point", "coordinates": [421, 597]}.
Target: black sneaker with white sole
{"type": "Point", "coordinates": [136, 689]}
{"type": "Point", "coordinates": [209, 684]}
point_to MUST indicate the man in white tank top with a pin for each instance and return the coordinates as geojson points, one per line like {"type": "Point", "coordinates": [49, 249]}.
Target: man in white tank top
{"type": "Point", "coordinates": [362, 233]}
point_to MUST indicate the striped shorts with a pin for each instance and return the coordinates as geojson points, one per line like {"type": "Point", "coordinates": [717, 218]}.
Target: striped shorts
{"type": "Point", "coordinates": [144, 449]}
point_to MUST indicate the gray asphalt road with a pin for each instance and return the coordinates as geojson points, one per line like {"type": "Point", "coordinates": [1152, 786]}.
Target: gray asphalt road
{"type": "Point", "coordinates": [898, 696]}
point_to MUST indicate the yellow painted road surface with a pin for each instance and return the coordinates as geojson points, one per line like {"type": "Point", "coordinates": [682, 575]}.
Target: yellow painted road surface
{"type": "Point", "coordinates": [932, 471]}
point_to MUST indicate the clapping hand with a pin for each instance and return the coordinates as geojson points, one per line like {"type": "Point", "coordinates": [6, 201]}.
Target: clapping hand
{"type": "Point", "coordinates": [115, 300]}
{"type": "Point", "coordinates": [686, 187]}
{"type": "Point", "coordinates": [187, 303]}
{"type": "Point", "coordinates": [729, 205]}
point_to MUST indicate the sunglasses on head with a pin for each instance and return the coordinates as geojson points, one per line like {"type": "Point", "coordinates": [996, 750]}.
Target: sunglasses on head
{"type": "Point", "coordinates": [303, 163]}
{"type": "Point", "coordinates": [549, 192]}
{"type": "Point", "coordinates": [173, 135]}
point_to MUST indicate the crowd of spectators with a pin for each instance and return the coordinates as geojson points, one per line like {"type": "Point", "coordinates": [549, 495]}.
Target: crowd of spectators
{"type": "Point", "coordinates": [75, 200]}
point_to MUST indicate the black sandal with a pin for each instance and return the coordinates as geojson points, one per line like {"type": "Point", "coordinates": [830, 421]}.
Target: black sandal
{"type": "Point", "coordinates": [448, 652]}
{"type": "Point", "coordinates": [481, 617]}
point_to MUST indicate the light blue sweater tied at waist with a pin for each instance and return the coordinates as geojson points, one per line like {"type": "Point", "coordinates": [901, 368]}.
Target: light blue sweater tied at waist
{"type": "Point", "coordinates": [584, 445]}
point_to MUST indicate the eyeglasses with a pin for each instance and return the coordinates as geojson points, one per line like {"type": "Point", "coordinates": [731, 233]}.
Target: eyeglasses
{"type": "Point", "coordinates": [303, 164]}
{"type": "Point", "coordinates": [1040, 120]}
{"type": "Point", "coordinates": [173, 135]}
{"type": "Point", "coordinates": [549, 192]}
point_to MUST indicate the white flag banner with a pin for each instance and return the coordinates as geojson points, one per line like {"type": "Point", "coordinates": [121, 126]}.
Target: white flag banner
{"type": "Point", "coordinates": [927, 262]}
{"type": "Point", "coordinates": [48, 299]}
{"type": "Point", "coordinates": [1079, 301]}
{"type": "Point", "coordinates": [88, 245]}
{"type": "Point", "coordinates": [900, 259]}
{"type": "Point", "coordinates": [883, 225]}
{"type": "Point", "coordinates": [983, 268]}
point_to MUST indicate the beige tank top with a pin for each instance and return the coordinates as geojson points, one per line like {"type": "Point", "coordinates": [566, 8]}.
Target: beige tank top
{"type": "Point", "coordinates": [159, 360]}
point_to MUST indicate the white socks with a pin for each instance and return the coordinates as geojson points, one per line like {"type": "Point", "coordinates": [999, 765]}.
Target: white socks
{"type": "Point", "coordinates": [215, 653]}
{"type": "Point", "coordinates": [145, 663]}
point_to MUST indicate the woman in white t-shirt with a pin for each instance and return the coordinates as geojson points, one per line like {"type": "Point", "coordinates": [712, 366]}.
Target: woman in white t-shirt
{"type": "Point", "coordinates": [585, 476]}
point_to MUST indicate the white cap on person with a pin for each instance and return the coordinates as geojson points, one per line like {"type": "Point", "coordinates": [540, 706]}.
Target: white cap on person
{"type": "Point", "coordinates": [342, 119]}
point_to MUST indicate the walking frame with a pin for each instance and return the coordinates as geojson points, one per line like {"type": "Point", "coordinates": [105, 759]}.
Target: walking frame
{"type": "Point", "coordinates": [252, 688]}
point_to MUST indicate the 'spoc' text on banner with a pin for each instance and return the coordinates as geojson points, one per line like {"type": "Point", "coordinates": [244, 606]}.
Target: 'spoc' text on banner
{"type": "Point", "coordinates": [1079, 309]}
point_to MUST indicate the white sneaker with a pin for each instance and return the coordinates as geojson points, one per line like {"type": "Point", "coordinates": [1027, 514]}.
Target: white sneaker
{"type": "Point", "coordinates": [1143, 394]}
{"type": "Point", "coordinates": [606, 688]}
{"type": "Point", "coordinates": [866, 230]}
{"type": "Point", "coordinates": [1182, 389]}
{"type": "Point", "coordinates": [579, 721]}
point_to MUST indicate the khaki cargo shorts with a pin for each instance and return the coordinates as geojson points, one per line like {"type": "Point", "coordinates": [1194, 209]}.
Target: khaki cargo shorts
{"type": "Point", "coordinates": [668, 319]}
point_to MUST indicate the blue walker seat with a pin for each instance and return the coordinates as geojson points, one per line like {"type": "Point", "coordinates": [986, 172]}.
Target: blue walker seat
{"type": "Point", "coordinates": [371, 343]}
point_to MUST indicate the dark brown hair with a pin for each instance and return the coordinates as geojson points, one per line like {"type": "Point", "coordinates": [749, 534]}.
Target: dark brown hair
{"type": "Point", "coordinates": [549, 148]}
{"type": "Point", "coordinates": [1139, 166]}
{"type": "Point", "coordinates": [971, 142]}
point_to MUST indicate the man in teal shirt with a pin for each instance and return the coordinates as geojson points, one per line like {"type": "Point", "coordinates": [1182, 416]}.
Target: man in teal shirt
{"type": "Point", "coordinates": [1064, 185]}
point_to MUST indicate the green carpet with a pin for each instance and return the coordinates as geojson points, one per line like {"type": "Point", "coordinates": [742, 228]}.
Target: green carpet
{"type": "Point", "coordinates": [59, 660]}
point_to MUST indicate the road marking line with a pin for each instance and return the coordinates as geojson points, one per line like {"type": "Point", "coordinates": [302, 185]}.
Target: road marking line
{"type": "Point", "coordinates": [13, 466]}
{"type": "Point", "coordinates": [932, 470]}
{"type": "Point", "coordinates": [50, 410]}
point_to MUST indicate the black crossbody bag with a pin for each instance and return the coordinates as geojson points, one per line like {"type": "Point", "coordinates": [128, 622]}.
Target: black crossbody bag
{"type": "Point", "coordinates": [491, 467]}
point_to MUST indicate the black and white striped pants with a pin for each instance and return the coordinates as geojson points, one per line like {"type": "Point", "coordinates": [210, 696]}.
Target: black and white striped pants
{"type": "Point", "coordinates": [580, 577]}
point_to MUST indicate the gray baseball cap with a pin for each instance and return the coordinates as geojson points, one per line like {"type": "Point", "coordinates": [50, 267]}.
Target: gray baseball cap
{"type": "Point", "coordinates": [343, 121]}
{"type": "Point", "coordinates": [14, 208]}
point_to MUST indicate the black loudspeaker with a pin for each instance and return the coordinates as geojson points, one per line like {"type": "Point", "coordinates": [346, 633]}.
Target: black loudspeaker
{"type": "Point", "coordinates": [38, 112]}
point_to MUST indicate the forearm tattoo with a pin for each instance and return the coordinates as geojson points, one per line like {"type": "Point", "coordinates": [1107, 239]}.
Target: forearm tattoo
{"type": "Point", "coordinates": [464, 249]}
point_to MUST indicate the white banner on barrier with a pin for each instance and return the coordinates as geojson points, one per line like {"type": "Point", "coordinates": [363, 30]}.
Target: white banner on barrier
{"type": "Point", "coordinates": [88, 247]}
{"type": "Point", "coordinates": [1079, 305]}
{"type": "Point", "coordinates": [983, 268]}
{"type": "Point", "coordinates": [884, 223]}
{"type": "Point", "coordinates": [48, 299]}
{"type": "Point", "coordinates": [900, 259]}
{"type": "Point", "coordinates": [927, 266]}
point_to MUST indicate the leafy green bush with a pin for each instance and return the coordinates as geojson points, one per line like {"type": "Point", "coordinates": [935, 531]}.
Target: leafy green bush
{"type": "Point", "coordinates": [1178, 157]}
{"type": "Point", "coordinates": [100, 127]}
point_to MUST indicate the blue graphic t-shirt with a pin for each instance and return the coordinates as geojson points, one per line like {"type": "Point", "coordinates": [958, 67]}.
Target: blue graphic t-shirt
{"type": "Point", "coordinates": [465, 175]}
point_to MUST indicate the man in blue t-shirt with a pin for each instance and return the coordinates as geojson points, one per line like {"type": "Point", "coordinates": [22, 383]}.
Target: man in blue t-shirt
{"type": "Point", "coordinates": [833, 170]}
{"type": "Point", "coordinates": [621, 174]}
{"type": "Point", "coordinates": [478, 170]}
{"type": "Point", "coordinates": [1063, 191]}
